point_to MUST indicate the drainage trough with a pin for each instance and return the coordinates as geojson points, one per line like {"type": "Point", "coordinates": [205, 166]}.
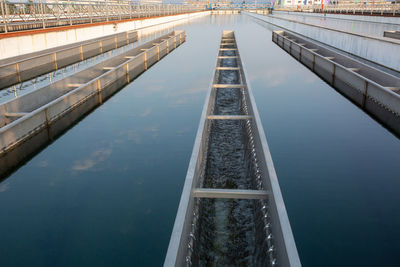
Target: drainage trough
{"type": "Point", "coordinates": [231, 211]}
{"type": "Point", "coordinates": [22, 68]}
{"type": "Point", "coordinates": [32, 120]}
{"type": "Point", "coordinates": [375, 91]}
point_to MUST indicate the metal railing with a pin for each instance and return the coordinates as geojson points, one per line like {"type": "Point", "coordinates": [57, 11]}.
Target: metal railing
{"type": "Point", "coordinates": [15, 16]}
{"type": "Point", "coordinates": [229, 6]}
{"type": "Point", "coordinates": [364, 7]}
{"type": "Point", "coordinates": [23, 68]}
{"type": "Point", "coordinates": [360, 8]}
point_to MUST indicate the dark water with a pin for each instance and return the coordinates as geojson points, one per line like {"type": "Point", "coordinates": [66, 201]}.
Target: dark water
{"type": "Point", "coordinates": [107, 191]}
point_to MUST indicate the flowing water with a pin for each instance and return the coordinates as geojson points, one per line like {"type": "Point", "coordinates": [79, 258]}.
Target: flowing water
{"type": "Point", "coordinates": [226, 226]}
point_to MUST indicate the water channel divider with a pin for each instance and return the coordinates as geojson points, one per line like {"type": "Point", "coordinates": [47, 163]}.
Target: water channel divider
{"type": "Point", "coordinates": [18, 69]}
{"type": "Point", "coordinates": [31, 121]}
{"type": "Point", "coordinates": [277, 234]}
{"type": "Point", "coordinates": [373, 90]}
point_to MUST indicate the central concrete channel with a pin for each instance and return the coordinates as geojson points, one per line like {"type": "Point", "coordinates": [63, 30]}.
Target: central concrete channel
{"type": "Point", "coordinates": [107, 191]}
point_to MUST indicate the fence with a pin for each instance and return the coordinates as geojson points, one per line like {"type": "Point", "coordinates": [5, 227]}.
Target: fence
{"type": "Point", "coordinates": [16, 16]}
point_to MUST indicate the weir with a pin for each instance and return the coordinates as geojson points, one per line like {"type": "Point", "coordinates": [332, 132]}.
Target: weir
{"type": "Point", "coordinates": [43, 114]}
{"type": "Point", "coordinates": [376, 92]}
{"type": "Point", "coordinates": [22, 68]}
{"type": "Point", "coordinates": [231, 210]}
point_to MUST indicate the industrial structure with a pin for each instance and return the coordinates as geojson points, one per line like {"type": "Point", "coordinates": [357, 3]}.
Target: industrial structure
{"type": "Point", "coordinates": [61, 60]}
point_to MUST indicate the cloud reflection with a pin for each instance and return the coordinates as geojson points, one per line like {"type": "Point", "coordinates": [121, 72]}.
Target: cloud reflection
{"type": "Point", "coordinates": [43, 164]}
{"type": "Point", "coordinates": [96, 157]}
{"type": "Point", "coordinates": [146, 112]}
{"type": "Point", "coordinates": [4, 187]}
{"type": "Point", "coordinates": [272, 78]}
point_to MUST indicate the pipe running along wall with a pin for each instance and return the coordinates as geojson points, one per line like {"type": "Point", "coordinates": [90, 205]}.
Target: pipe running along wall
{"type": "Point", "coordinates": [375, 91]}
{"type": "Point", "coordinates": [32, 120]}
{"type": "Point", "coordinates": [231, 210]}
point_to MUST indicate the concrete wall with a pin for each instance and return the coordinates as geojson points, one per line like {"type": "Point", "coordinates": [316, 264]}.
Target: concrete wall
{"type": "Point", "coordinates": [381, 51]}
{"type": "Point", "coordinates": [19, 45]}
{"type": "Point", "coordinates": [376, 19]}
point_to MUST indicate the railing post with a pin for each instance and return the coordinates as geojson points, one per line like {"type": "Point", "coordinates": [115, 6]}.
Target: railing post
{"type": "Point", "coordinates": [69, 7]}
{"type": "Point", "coordinates": [18, 72]}
{"type": "Point", "coordinates": [90, 7]}
{"type": "Point", "coordinates": [3, 14]}
{"type": "Point", "coordinates": [48, 122]}
{"type": "Point", "coordinates": [145, 60]}
{"type": "Point", "coordinates": [365, 94]}
{"type": "Point", "coordinates": [106, 3]}
{"type": "Point", "coordinates": [55, 61]}
{"type": "Point", "coordinates": [127, 73]}
{"type": "Point", "coordinates": [58, 13]}
{"type": "Point", "coordinates": [99, 97]}
{"type": "Point", "coordinates": [333, 74]}
{"type": "Point", "coordinates": [119, 7]}
{"type": "Point", "coordinates": [81, 52]}
{"type": "Point", "coordinates": [42, 10]}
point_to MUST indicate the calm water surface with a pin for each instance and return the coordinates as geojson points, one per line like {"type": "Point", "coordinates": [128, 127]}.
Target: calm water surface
{"type": "Point", "coordinates": [107, 191]}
